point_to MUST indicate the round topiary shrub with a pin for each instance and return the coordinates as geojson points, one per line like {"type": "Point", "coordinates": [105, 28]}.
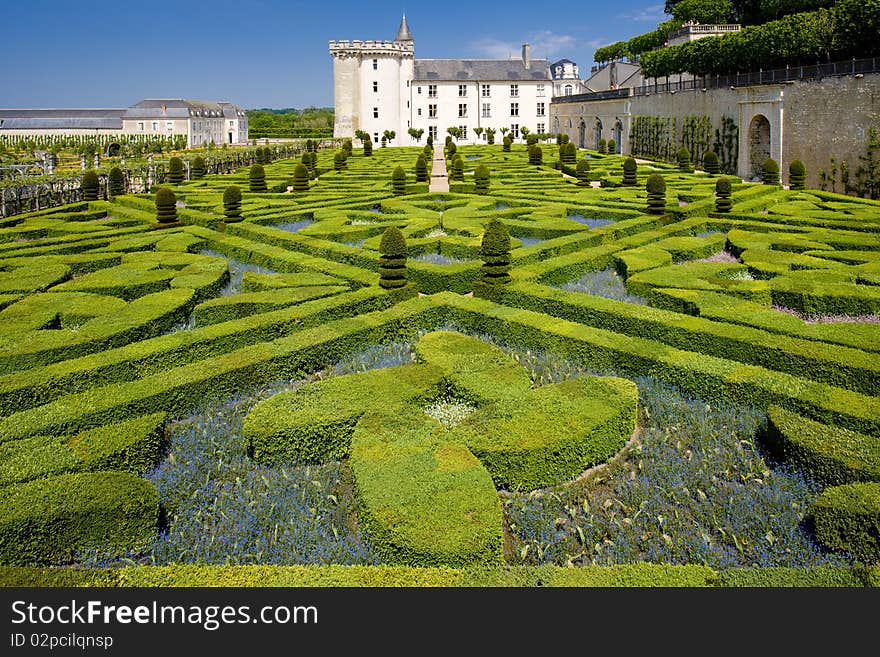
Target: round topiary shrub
{"type": "Point", "coordinates": [505, 144]}
{"type": "Point", "coordinates": [427, 151]}
{"type": "Point", "coordinates": [310, 160]}
{"type": "Point", "coordinates": [797, 175]}
{"type": "Point", "coordinates": [176, 173]}
{"type": "Point", "coordinates": [612, 147]}
{"type": "Point", "coordinates": [339, 161]}
{"type": "Point", "coordinates": [258, 178]}
{"type": "Point", "coordinates": [166, 206]}
{"type": "Point", "coordinates": [300, 178]}
{"type": "Point", "coordinates": [430, 142]}
{"type": "Point", "coordinates": [347, 147]}
{"type": "Point", "coordinates": [392, 259]}
{"type": "Point", "coordinates": [116, 182]}
{"type": "Point", "coordinates": [629, 172]}
{"type": "Point", "coordinates": [421, 168]}
{"type": "Point", "coordinates": [90, 186]}
{"type": "Point", "coordinates": [583, 172]}
{"type": "Point", "coordinates": [568, 153]}
{"type": "Point", "coordinates": [711, 165]}
{"type": "Point", "coordinates": [198, 169]}
{"type": "Point", "coordinates": [232, 203]}
{"type": "Point", "coordinates": [398, 181]}
{"type": "Point", "coordinates": [368, 147]}
{"type": "Point", "coordinates": [481, 179]}
{"type": "Point", "coordinates": [602, 147]}
{"type": "Point", "coordinates": [495, 252]}
{"type": "Point", "coordinates": [656, 188]}
{"type": "Point", "coordinates": [684, 160]}
{"type": "Point", "coordinates": [532, 139]}
{"type": "Point", "coordinates": [722, 195]}
{"type": "Point", "coordinates": [770, 172]}
{"type": "Point", "coordinates": [451, 149]}
{"type": "Point", "coordinates": [536, 155]}
{"type": "Point", "coordinates": [457, 168]}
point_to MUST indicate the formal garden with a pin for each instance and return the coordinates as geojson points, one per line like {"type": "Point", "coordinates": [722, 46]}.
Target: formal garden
{"type": "Point", "coordinates": [572, 369]}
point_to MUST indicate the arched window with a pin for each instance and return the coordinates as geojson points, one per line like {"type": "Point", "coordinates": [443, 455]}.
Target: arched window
{"type": "Point", "coordinates": [568, 90]}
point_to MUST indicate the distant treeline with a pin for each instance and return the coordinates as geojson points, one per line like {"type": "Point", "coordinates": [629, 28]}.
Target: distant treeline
{"type": "Point", "coordinates": [315, 122]}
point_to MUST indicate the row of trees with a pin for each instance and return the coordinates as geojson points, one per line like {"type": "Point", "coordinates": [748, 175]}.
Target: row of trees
{"type": "Point", "coordinates": [310, 122]}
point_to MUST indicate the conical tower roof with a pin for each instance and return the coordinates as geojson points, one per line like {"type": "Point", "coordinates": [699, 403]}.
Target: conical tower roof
{"type": "Point", "coordinates": [403, 33]}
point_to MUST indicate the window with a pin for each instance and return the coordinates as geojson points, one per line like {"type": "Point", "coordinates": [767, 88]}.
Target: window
{"type": "Point", "coordinates": [375, 112]}
{"type": "Point", "coordinates": [375, 87]}
{"type": "Point", "coordinates": [484, 90]}
{"type": "Point", "coordinates": [540, 91]}
{"type": "Point", "coordinates": [432, 91]}
{"type": "Point", "coordinates": [568, 90]}
{"type": "Point", "coordinates": [432, 132]}
{"type": "Point", "coordinates": [376, 137]}
{"type": "Point", "coordinates": [463, 129]}
{"type": "Point", "coordinates": [432, 111]}
{"type": "Point", "coordinates": [169, 127]}
{"type": "Point", "coordinates": [487, 111]}
{"type": "Point", "coordinates": [418, 90]}
{"type": "Point", "coordinates": [420, 111]}
{"type": "Point", "coordinates": [462, 110]}
{"type": "Point", "coordinates": [232, 124]}
{"type": "Point", "coordinates": [140, 126]}
{"type": "Point", "coordinates": [541, 109]}
{"type": "Point", "coordinates": [155, 126]}
{"type": "Point", "coordinates": [514, 130]}
{"type": "Point", "coordinates": [375, 64]}
{"type": "Point", "coordinates": [541, 128]}
{"type": "Point", "coordinates": [514, 109]}
{"type": "Point", "coordinates": [514, 91]}
{"type": "Point", "coordinates": [462, 91]}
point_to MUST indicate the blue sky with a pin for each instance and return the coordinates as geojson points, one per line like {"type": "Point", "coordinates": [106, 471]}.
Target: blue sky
{"type": "Point", "coordinates": [268, 53]}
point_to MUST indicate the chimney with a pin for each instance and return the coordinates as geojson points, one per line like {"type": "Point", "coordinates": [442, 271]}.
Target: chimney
{"type": "Point", "coordinates": [527, 55]}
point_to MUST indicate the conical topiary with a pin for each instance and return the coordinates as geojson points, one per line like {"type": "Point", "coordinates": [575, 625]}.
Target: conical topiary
{"type": "Point", "coordinates": [421, 168]}
{"type": "Point", "coordinates": [656, 188]}
{"type": "Point", "coordinates": [116, 182]}
{"type": "Point", "coordinates": [368, 147]}
{"type": "Point", "coordinates": [166, 206]}
{"type": "Point", "coordinates": [711, 165]}
{"type": "Point", "coordinates": [451, 149]}
{"type": "Point", "coordinates": [398, 181]}
{"type": "Point", "coordinates": [392, 259]}
{"type": "Point", "coordinates": [495, 252]}
{"type": "Point", "coordinates": [457, 172]}
{"type": "Point", "coordinates": [684, 160]}
{"type": "Point", "coordinates": [583, 172]}
{"type": "Point", "coordinates": [797, 175]}
{"type": "Point", "coordinates": [629, 172]}
{"type": "Point", "coordinates": [89, 186]}
{"type": "Point", "coordinates": [603, 147]}
{"type": "Point", "coordinates": [427, 151]}
{"type": "Point", "coordinates": [481, 179]}
{"type": "Point", "coordinates": [300, 178]}
{"type": "Point", "coordinates": [176, 172]}
{"type": "Point", "coordinates": [232, 203]}
{"type": "Point", "coordinates": [505, 145]}
{"type": "Point", "coordinates": [339, 161]}
{"type": "Point", "coordinates": [722, 195]}
{"type": "Point", "coordinates": [770, 172]}
{"type": "Point", "coordinates": [258, 178]}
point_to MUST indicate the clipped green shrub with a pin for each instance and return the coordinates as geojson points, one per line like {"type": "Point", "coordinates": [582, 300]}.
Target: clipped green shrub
{"type": "Point", "coordinates": [300, 178]}
{"type": "Point", "coordinates": [90, 186]}
{"type": "Point", "coordinates": [428, 151]}
{"type": "Point", "coordinates": [684, 160]}
{"type": "Point", "coordinates": [797, 175]}
{"type": "Point", "coordinates": [451, 148]}
{"type": "Point", "coordinates": [421, 168]}
{"type": "Point", "coordinates": [232, 203]}
{"type": "Point", "coordinates": [392, 261]}
{"type": "Point", "coordinates": [339, 161]}
{"type": "Point", "coordinates": [176, 171]}
{"type": "Point", "coordinates": [166, 206]}
{"type": "Point", "coordinates": [398, 181]}
{"type": "Point", "coordinates": [568, 153]}
{"type": "Point", "coordinates": [629, 172]}
{"type": "Point", "coordinates": [583, 172]}
{"type": "Point", "coordinates": [198, 169]}
{"type": "Point", "coordinates": [656, 188]}
{"type": "Point", "coordinates": [505, 144]}
{"type": "Point", "coordinates": [603, 147]}
{"type": "Point", "coordinates": [536, 155]}
{"type": "Point", "coordinates": [770, 172]}
{"type": "Point", "coordinates": [347, 147]}
{"type": "Point", "coordinates": [722, 195]}
{"type": "Point", "coordinates": [495, 252]}
{"type": "Point", "coordinates": [116, 182]}
{"type": "Point", "coordinates": [848, 518]}
{"type": "Point", "coordinates": [481, 179]}
{"type": "Point", "coordinates": [711, 163]}
{"type": "Point", "coordinates": [368, 147]}
{"type": "Point", "coordinates": [561, 139]}
{"type": "Point", "coordinates": [457, 172]}
{"type": "Point", "coordinates": [257, 178]}
{"type": "Point", "coordinates": [612, 147]}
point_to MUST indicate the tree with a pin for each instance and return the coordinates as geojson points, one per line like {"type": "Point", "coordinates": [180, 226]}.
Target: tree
{"type": "Point", "coordinates": [198, 168]}
{"type": "Point", "coordinates": [398, 181]}
{"type": "Point", "coordinates": [166, 206]}
{"type": "Point", "coordinates": [388, 136]}
{"type": "Point", "coordinates": [232, 203]}
{"type": "Point", "coordinates": [656, 188]}
{"type": "Point", "coordinates": [392, 259]}
{"type": "Point", "coordinates": [706, 12]}
{"type": "Point", "coordinates": [416, 133]}
{"type": "Point", "coordinates": [89, 186]}
{"type": "Point", "coordinates": [583, 172]}
{"type": "Point", "coordinates": [116, 182]}
{"type": "Point", "coordinates": [176, 173]}
{"type": "Point", "coordinates": [629, 172]}
{"type": "Point", "coordinates": [257, 178]}
{"type": "Point", "coordinates": [490, 136]}
{"type": "Point", "coordinates": [478, 132]}
{"type": "Point", "coordinates": [495, 252]}
{"type": "Point", "coordinates": [797, 175]}
{"type": "Point", "coordinates": [454, 132]}
{"type": "Point", "coordinates": [505, 130]}
{"type": "Point", "coordinates": [421, 168]}
{"type": "Point", "coordinates": [300, 178]}
{"type": "Point", "coordinates": [722, 195]}
{"type": "Point", "coordinates": [524, 131]}
{"type": "Point", "coordinates": [481, 179]}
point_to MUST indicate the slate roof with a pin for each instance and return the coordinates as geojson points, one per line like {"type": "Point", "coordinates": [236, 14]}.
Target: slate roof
{"type": "Point", "coordinates": [59, 119]}
{"type": "Point", "coordinates": [403, 32]}
{"type": "Point", "coordinates": [428, 70]}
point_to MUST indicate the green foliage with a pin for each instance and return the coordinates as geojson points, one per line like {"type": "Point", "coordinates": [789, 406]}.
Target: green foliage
{"type": "Point", "coordinates": [166, 206]}
{"type": "Point", "coordinates": [368, 146]}
{"type": "Point", "coordinates": [198, 169]}
{"type": "Point", "coordinates": [398, 181]}
{"type": "Point", "coordinates": [495, 252]}
{"type": "Point", "coordinates": [770, 172]}
{"type": "Point", "coordinates": [797, 175]}
{"type": "Point", "coordinates": [536, 155]}
{"type": "Point", "coordinates": [421, 168]}
{"type": "Point", "coordinates": [505, 147]}
{"type": "Point", "coordinates": [176, 172]}
{"type": "Point", "coordinates": [481, 179]}
{"type": "Point", "coordinates": [722, 195]}
{"type": "Point", "coordinates": [711, 165]}
{"type": "Point", "coordinates": [603, 147]}
{"type": "Point", "coordinates": [116, 182]}
{"type": "Point", "coordinates": [655, 185]}
{"type": "Point", "coordinates": [490, 136]}
{"type": "Point", "coordinates": [89, 186]}
{"type": "Point", "coordinates": [706, 12]}
{"type": "Point", "coordinates": [392, 261]}
{"type": "Point", "coordinates": [347, 147]}
{"type": "Point", "coordinates": [629, 172]}
{"type": "Point", "coordinates": [257, 178]}
{"type": "Point", "coordinates": [848, 518]}
{"type": "Point", "coordinates": [457, 172]}
{"type": "Point", "coordinates": [684, 160]}
{"type": "Point", "coordinates": [300, 178]}
{"type": "Point", "coordinates": [289, 123]}
{"type": "Point", "coordinates": [232, 203]}
{"type": "Point", "coordinates": [339, 161]}
{"type": "Point", "coordinates": [568, 153]}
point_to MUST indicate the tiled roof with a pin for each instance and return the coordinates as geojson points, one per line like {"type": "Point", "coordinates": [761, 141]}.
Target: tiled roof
{"type": "Point", "coordinates": [480, 69]}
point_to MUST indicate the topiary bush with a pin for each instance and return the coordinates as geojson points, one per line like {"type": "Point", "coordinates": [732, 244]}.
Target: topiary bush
{"type": "Point", "coordinates": [568, 153]}
{"type": "Point", "coordinates": [536, 155]}
{"type": "Point", "coordinates": [451, 148]}
{"type": "Point", "coordinates": [797, 175]}
{"type": "Point", "coordinates": [116, 182]}
{"type": "Point", "coordinates": [495, 252]}
{"type": "Point", "coordinates": [711, 164]}
{"type": "Point", "coordinates": [684, 160]}
{"type": "Point", "coordinates": [166, 206]}
{"type": "Point", "coordinates": [176, 173]}
{"type": "Point", "coordinates": [656, 188]}
{"type": "Point", "coordinates": [198, 168]}
{"type": "Point", "coordinates": [612, 147]}
{"type": "Point", "coordinates": [770, 172]}
{"type": "Point", "coordinates": [583, 172]}
{"type": "Point", "coordinates": [457, 168]}
{"type": "Point", "coordinates": [603, 147]}
{"type": "Point", "coordinates": [368, 147]}
{"type": "Point", "coordinates": [532, 139]}
{"type": "Point", "coordinates": [629, 172]}
{"type": "Point", "coordinates": [347, 147]}
{"type": "Point", "coordinates": [392, 259]}
{"type": "Point", "coordinates": [421, 168]}
{"type": "Point", "coordinates": [89, 186]}
{"type": "Point", "coordinates": [300, 178]}
{"type": "Point", "coordinates": [310, 160]}
{"type": "Point", "coordinates": [722, 195]}
{"type": "Point", "coordinates": [427, 151]}
{"type": "Point", "coordinates": [258, 178]}
{"type": "Point", "coordinates": [481, 179]}
{"type": "Point", "coordinates": [398, 181]}
{"type": "Point", "coordinates": [505, 144]}
{"type": "Point", "coordinates": [339, 161]}
{"type": "Point", "coordinates": [848, 518]}
{"type": "Point", "coordinates": [232, 203]}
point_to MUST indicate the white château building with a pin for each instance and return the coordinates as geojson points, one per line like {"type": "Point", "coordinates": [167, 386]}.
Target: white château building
{"type": "Point", "coordinates": [379, 86]}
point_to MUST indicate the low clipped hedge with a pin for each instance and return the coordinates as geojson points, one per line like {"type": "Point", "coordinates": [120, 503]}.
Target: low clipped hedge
{"type": "Point", "coordinates": [47, 520]}
{"type": "Point", "coordinates": [848, 518]}
{"type": "Point", "coordinates": [245, 304]}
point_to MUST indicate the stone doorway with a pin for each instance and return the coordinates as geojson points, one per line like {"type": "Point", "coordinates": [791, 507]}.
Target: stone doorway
{"type": "Point", "coordinates": [617, 136]}
{"type": "Point", "coordinates": [582, 135]}
{"type": "Point", "coordinates": [598, 134]}
{"type": "Point", "coordinates": [759, 145]}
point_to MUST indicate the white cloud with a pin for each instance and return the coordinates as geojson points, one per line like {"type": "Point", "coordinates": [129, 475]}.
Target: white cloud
{"type": "Point", "coordinates": [545, 43]}
{"type": "Point", "coordinates": [651, 13]}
